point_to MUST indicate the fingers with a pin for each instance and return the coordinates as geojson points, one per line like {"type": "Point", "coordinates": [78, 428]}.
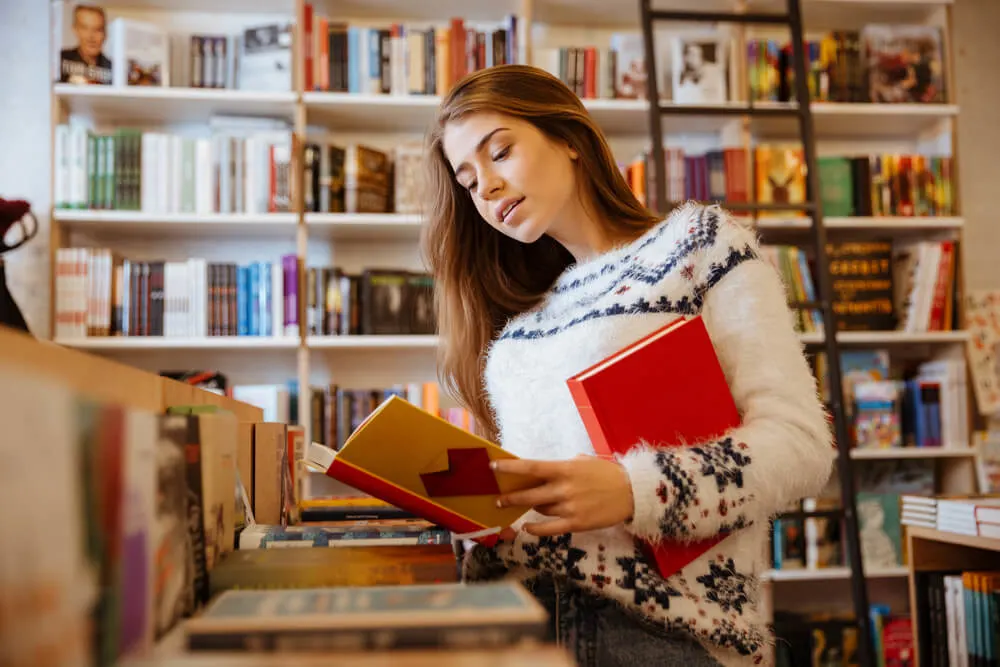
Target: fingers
{"type": "Point", "coordinates": [550, 528]}
{"type": "Point", "coordinates": [545, 494]}
{"type": "Point", "coordinates": [540, 469]}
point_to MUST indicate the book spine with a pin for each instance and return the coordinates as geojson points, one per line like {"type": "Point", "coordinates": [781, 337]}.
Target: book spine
{"type": "Point", "coordinates": [598, 439]}
{"type": "Point", "coordinates": [373, 485]}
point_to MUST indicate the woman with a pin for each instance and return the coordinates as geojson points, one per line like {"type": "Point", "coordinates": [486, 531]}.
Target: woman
{"type": "Point", "coordinates": [545, 263]}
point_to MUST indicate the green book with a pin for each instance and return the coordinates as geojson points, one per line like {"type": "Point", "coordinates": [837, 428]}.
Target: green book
{"type": "Point", "coordinates": [836, 186]}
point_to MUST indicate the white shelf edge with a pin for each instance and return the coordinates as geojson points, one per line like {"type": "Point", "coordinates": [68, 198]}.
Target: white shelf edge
{"type": "Point", "coordinates": [363, 219]}
{"type": "Point", "coordinates": [360, 342]}
{"type": "Point", "coordinates": [895, 222]}
{"type": "Point", "coordinates": [832, 574]}
{"type": "Point", "coordinates": [891, 337]}
{"type": "Point", "coordinates": [168, 343]}
{"type": "Point", "coordinates": [68, 90]}
{"type": "Point", "coordinates": [140, 217]}
{"type": "Point", "coordinates": [893, 453]}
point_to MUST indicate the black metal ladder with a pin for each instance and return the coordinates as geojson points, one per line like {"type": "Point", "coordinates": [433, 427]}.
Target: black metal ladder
{"type": "Point", "coordinates": [801, 110]}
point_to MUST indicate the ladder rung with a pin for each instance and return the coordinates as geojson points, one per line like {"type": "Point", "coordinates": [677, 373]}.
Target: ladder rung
{"type": "Point", "coordinates": [708, 110]}
{"type": "Point", "coordinates": [719, 17]}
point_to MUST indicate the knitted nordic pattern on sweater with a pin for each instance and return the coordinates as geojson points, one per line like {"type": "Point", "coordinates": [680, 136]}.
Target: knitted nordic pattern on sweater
{"type": "Point", "coordinates": [699, 261]}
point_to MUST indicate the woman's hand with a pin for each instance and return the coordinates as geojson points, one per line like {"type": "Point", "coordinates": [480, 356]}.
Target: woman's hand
{"type": "Point", "coordinates": [585, 493]}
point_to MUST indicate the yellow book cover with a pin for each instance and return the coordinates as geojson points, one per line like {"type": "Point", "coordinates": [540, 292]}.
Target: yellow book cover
{"type": "Point", "coordinates": [781, 177]}
{"type": "Point", "coordinates": [425, 465]}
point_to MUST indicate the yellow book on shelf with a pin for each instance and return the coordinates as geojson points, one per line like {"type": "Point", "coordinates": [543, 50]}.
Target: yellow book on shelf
{"type": "Point", "coordinates": [427, 466]}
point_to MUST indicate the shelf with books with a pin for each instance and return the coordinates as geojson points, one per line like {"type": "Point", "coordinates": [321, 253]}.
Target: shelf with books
{"type": "Point", "coordinates": [112, 343]}
{"type": "Point", "coordinates": [898, 453]}
{"type": "Point", "coordinates": [177, 224]}
{"type": "Point", "coordinates": [365, 226]}
{"type": "Point", "coordinates": [822, 574]}
{"type": "Point", "coordinates": [821, 13]}
{"type": "Point", "coordinates": [149, 104]}
{"type": "Point", "coordinates": [840, 120]}
{"type": "Point", "coordinates": [373, 342]}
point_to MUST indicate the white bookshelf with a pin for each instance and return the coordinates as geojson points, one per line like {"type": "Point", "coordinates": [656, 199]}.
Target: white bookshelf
{"type": "Point", "coordinates": [169, 105]}
{"type": "Point", "coordinates": [173, 224]}
{"type": "Point", "coordinates": [358, 240]}
{"type": "Point", "coordinates": [129, 343]}
{"type": "Point", "coordinates": [900, 453]}
{"type": "Point", "coordinates": [831, 574]}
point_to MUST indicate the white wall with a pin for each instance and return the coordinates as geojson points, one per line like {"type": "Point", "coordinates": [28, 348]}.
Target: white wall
{"type": "Point", "coordinates": [25, 147]}
{"type": "Point", "coordinates": [977, 59]}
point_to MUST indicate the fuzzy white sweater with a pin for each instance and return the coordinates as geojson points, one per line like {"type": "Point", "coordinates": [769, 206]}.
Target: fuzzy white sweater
{"type": "Point", "coordinates": [698, 261]}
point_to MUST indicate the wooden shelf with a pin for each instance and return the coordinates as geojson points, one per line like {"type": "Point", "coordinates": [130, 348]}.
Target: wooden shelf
{"type": "Point", "coordinates": [876, 225]}
{"type": "Point", "coordinates": [372, 342]}
{"type": "Point", "coordinates": [174, 105]}
{"type": "Point", "coordinates": [955, 539]}
{"type": "Point", "coordinates": [894, 453]}
{"type": "Point", "coordinates": [137, 223]}
{"type": "Point", "coordinates": [121, 343]}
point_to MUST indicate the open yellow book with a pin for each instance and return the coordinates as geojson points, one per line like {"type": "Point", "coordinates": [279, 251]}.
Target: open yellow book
{"type": "Point", "coordinates": [425, 465]}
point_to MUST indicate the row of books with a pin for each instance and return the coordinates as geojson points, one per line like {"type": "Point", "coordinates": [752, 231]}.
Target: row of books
{"type": "Point", "coordinates": [830, 639]}
{"type": "Point", "coordinates": [99, 293]}
{"type": "Point", "coordinates": [792, 264]}
{"type": "Point", "coordinates": [879, 285]}
{"type": "Point", "coordinates": [867, 186]}
{"type": "Point", "coordinates": [958, 623]}
{"type": "Point", "coordinates": [143, 53]}
{"type": "Point", "coordinates": [243, 167]}
{"type": "Point", "coordinates": [969, 515]}
{"type": "Point", "coordinates": [926, 410]}
{"type": "Point", "coordinates": [401, 59]}
{"type": "Point", "coordinates": [881, 64]}
{"type": "Point", "coordinates": [374, 302]}
{"type": "Point", "coordinates": [153, 496]}
{"type": "Point", "coordinates": [338, 411]}
{"type": "Point", "coordinates": [915, 405]}
{"type": "Point", "coordinates": [887, 185]}
{"type": "Point", "coordinates": [816, 542]}
{"type": "Point", "coordinates": [359, 178]}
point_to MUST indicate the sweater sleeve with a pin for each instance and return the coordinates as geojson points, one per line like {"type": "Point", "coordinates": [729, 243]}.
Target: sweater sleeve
{"type": "Point", "coordinates": [783, 450]}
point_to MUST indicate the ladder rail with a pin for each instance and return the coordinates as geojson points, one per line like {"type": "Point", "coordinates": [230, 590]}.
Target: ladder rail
{"type": "Point", "coordinates": [824, 303]}
{"type": "Point", "coordinates": [832, 348]}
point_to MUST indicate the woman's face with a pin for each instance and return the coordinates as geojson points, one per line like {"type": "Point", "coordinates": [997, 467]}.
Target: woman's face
{"type": "Point", "coordinates": [522, 183]}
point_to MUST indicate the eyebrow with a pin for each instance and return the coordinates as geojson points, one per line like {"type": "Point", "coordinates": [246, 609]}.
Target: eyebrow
{"type": "Point", "coordinates": [479, 146]}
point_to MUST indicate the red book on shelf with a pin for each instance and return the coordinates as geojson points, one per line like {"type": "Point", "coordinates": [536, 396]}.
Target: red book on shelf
{"type": "Point", "coordinates": [667, 389]}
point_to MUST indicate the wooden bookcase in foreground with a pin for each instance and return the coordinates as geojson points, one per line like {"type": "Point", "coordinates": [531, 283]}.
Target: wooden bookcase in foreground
{"type": "Point", "coordinates": [933, 550]}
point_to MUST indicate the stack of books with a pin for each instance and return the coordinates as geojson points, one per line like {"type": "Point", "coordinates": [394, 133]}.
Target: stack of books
{"type": "Point", "coordinates": [967, 515]}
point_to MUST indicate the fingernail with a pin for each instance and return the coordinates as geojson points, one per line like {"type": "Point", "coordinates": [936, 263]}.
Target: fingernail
{"type": "Point", "coordinates": [499, 503]}
{"type": "Point", "coordinates": [493, 465]}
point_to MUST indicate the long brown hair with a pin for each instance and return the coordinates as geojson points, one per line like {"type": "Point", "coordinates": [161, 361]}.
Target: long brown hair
{"type": "Point", "coordinates": [482, 277]}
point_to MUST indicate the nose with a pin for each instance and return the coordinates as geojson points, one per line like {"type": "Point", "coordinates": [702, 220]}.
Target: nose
{"type": "Point", "coordinates": [490, 186]}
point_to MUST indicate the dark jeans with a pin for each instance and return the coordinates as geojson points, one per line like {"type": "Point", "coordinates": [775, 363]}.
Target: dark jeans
{"type": "Point", "coordinates": [600, 633]}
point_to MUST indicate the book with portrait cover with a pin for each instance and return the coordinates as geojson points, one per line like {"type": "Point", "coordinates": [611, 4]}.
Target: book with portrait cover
{"type": "Point", "coordinates": [80, 40]}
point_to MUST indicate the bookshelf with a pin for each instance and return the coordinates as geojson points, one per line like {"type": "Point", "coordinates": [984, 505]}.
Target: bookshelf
{"type": "Point", "coordinates": [354, 241]}
{"type": "Point", "coordinates": [935, 551]}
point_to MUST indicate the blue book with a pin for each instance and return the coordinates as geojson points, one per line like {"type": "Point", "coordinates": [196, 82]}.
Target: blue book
{"type": "Point", "coordinates": [242, 301]}
{"type": "Point", "coordinates": [253, 307]}
{"type": "Point", "coordinates": [265, 316]}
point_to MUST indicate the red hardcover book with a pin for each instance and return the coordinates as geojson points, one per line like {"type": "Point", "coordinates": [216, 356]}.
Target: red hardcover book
{"type": "Point", "coordinates": [667, 389]}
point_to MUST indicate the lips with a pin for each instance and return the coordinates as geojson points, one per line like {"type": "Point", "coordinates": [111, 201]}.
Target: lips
{"type": "Point", "coordinates": [506, 208]}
